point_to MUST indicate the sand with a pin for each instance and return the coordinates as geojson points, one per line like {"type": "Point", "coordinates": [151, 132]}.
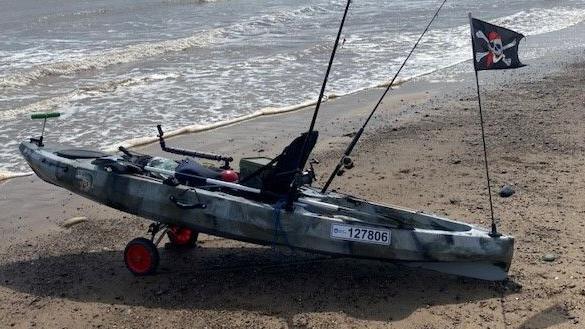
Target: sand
{"type": "Point", "coordinates": [423, 152]}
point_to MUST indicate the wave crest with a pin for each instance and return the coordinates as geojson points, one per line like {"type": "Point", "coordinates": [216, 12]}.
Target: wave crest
{"type": "Point", "coordinates": [82, 93]}
{"type": "Point", "coordinates": [99, 61]}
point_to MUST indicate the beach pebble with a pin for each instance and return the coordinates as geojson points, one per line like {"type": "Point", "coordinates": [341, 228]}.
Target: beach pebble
{"type": "Point", "coordinates": [549, 257]}
{"type": "Point", "coordinates": [506, 191]}
{"type": "Point", "coordinates": [73, 221]}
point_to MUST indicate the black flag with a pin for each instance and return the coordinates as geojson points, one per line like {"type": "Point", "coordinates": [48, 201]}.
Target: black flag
{"type": "Point", "coordinates": [494, 47]}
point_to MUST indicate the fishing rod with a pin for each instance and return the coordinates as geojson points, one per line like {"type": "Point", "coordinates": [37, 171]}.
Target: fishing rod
{"type": "Point", "coordinates": [303, 158]}
{"type": "Point", "coordinates": [345, 160]}
{"type": "Point", "coordinates": [322, 93]}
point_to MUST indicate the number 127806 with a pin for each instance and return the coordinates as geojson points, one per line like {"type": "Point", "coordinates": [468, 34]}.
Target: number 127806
{"type": "Point", "coordinates": [360, 234]}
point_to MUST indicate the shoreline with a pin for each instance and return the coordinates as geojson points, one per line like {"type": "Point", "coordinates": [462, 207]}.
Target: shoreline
{"type": "Point", "coordinates": [424, 77]}
{"type": "Point", "coordinates": [198, 128]}
{"type": "Point", "coordinates": [145, 141]}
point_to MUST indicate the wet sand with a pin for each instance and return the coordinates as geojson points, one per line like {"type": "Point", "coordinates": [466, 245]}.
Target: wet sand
{"type": "Point", "coordinates": [423, 152]}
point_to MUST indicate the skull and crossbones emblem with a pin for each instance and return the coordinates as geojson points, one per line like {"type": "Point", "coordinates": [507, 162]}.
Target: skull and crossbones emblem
{"type": "Point", "coordinates": [496, 49]}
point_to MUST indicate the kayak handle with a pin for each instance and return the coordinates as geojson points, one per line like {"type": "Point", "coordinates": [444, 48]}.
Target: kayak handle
{"type": "Point", "coordinates": [182, 205]}
{"type": "Point", "coordinates": [47, 115]}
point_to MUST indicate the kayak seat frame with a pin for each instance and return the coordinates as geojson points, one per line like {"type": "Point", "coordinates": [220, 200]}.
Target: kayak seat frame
{"type": "Point", "coordinates": [282, 170]}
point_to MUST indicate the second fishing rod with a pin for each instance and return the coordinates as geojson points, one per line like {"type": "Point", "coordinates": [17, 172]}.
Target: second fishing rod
{"type": "Point", "coordinates": [344, 160]}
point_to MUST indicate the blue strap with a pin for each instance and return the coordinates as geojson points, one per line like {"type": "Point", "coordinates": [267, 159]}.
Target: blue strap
{"type": "Point", "coordinates": [277, 224]}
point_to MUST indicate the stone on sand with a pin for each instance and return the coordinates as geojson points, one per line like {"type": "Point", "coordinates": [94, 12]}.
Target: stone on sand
{"type": "Point", "coordinates": [73, 221]}
{"type": "Point", "coordinates": [550, 257]}
{"type": "Point", "coordinates": [506, 191]}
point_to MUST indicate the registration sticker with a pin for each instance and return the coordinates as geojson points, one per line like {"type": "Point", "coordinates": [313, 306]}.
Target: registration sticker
{"type": "Point", "coordinates": [360, 234]}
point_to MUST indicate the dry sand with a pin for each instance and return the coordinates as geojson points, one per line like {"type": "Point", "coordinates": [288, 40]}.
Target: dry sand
{"type": "Point", "coordinates": [54, 277]}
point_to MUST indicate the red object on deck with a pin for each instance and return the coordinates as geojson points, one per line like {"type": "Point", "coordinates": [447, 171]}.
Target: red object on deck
{"type": "Point", "coordinates": [229, 176]}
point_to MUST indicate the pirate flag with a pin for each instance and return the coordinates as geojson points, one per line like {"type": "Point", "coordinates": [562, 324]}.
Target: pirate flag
{"type": "Point", "coordinates": [494, 47]}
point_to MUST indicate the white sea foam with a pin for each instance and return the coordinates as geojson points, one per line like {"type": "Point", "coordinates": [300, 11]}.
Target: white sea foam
{"type": "Point", "coordinates": [140, 51]}
{"type": "Point", "coordinates": [69, 15]}
{"type": "Point", "coordinates": [84, 92]}
{"type": "Point", "coordinates": [539, 21]}
{"type": "Point", "coordinates": [199, 128]}
{"type": "Point", "coordinates": [104, 59]}
{"type": "Point", "coordinates": [451, 46]}
{"type": "Point", "coordinates": [186, 2]}
{"type": "Point", "coordinates": [4, 175]}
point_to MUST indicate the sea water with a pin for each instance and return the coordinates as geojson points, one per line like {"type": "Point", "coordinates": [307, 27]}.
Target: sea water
{"type": "Point", "coordinates": [116, 69]}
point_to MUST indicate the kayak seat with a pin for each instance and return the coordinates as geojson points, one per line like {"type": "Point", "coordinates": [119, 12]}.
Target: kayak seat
{"type": "Point", "coordinates": [117, 165]}
{"type": "Point", "coordinates": [278, 175]}
{"type": "Point", "coordinates": [192, 173]}
{"type": "Point", "coordinates": [80, 154]}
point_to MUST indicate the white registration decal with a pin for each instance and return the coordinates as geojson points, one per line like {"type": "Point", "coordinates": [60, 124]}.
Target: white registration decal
{"type": "Point", "coordinates": [360, 233]}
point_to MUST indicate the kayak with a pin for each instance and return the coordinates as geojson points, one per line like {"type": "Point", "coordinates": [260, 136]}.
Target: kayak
{"type": "Point", "coordinates": [182, 203]}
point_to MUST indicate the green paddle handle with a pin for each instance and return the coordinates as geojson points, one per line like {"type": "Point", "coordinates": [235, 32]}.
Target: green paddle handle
{"type": "Point", "coordinates": [47, 115]}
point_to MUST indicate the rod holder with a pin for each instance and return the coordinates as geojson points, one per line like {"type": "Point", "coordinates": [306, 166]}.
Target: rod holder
{"type": "Point", "coordinates": [195, 154]}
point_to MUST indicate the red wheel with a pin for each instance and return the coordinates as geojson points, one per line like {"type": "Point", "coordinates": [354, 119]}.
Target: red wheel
{"type": "Point", "coordinates": [141, 257]}
{"type": "Point", "coordinates": [182, 236]}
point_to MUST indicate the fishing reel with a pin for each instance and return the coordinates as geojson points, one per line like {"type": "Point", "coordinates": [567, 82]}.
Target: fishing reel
{"type": "Point", "coordinates": [347, 163]}
{"type": "Point", "coordinates": [308, 176]}
{"type": "Point", "coordinates": [311, 172]}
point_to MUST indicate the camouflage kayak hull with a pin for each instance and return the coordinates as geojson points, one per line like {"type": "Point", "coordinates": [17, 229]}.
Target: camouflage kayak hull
{"type": "Point", "coordinates": [333, 223]}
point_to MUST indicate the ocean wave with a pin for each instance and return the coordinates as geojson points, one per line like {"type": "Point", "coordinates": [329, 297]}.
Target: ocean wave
{"type": "Point", "coordinates": [187, 2]}
{"type": "Point", "coordinates": [140, 51]}
{"type": "Point", "coordinates": [451, 46]}
{"type": "Point", "coordinates": [81, 14]}
{"type": "Point", "coordinates": [441, 48]}
{"type": "Point", "coordinates": [525, 22]}
{"type": "Point", "coordinates": [277, 18]}
{"type": "Point", "coordinates": [531, 21]}
{"type": "Point", "coordinates": [102, 60]}
{"type": "Point", "coordinates": [84, 92]}
{"type": "Point", "coordinates": [76, 14]}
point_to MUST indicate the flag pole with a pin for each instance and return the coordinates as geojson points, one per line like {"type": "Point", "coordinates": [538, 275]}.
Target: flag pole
{"type": "Point", "coordinates": [494, 231]}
